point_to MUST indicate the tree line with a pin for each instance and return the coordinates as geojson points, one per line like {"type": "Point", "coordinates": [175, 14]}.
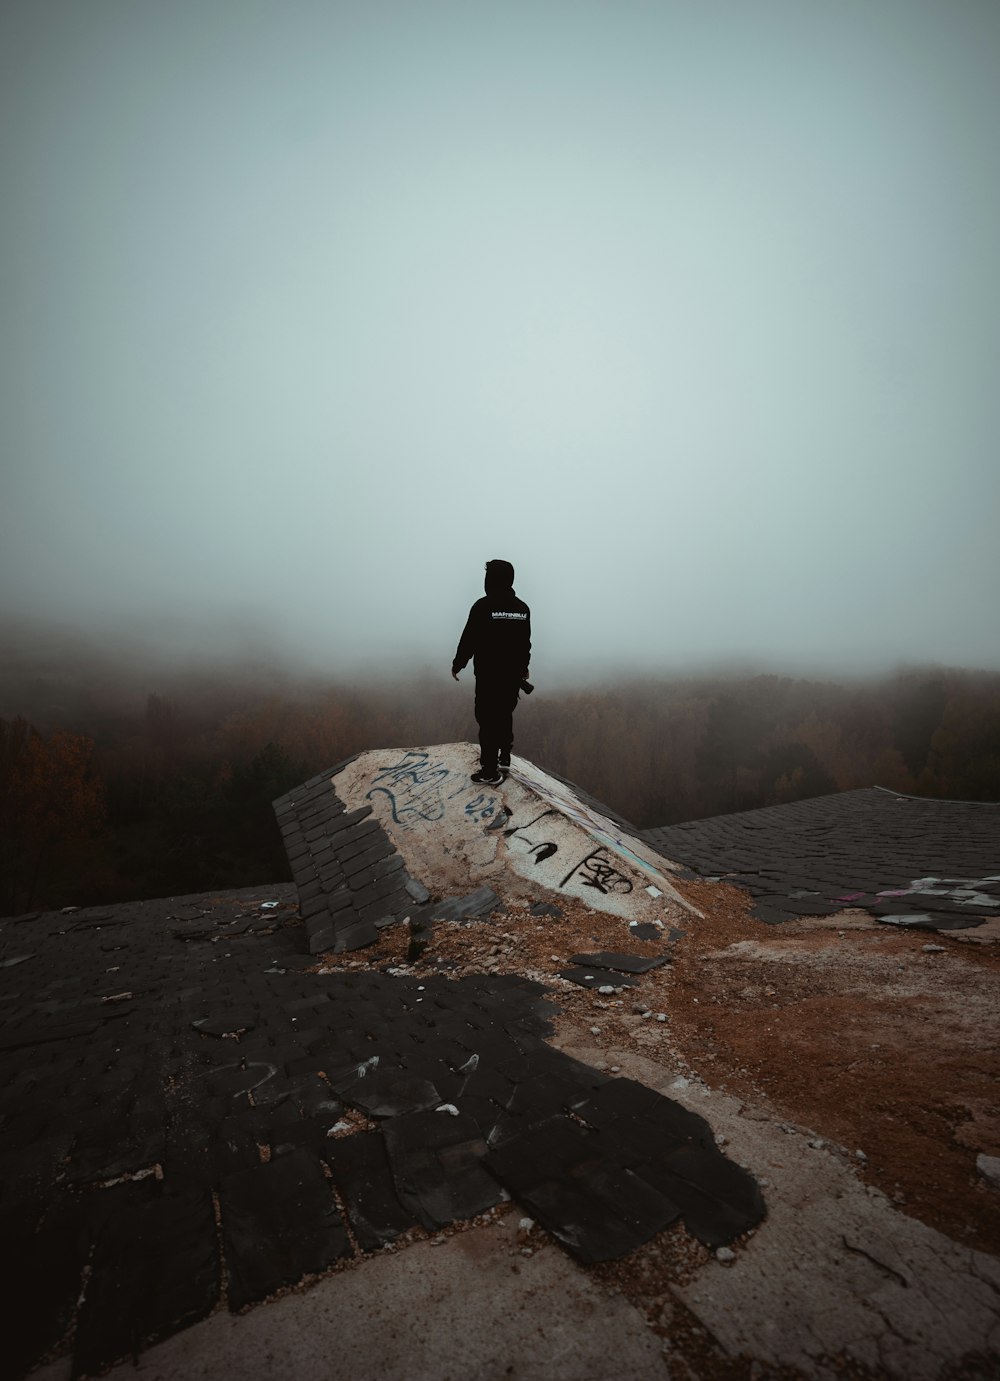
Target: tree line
{"type": "Point", "coordinates": [112, 795]}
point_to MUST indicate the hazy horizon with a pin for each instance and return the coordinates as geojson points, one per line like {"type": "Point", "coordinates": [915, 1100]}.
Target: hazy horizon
{"type": "Point", "coordinates": [182, 654]}
{"type": "Point", "coordinates": [690, 312]}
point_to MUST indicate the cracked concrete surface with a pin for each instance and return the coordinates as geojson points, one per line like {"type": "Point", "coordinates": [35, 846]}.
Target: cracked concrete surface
{"type": "Point", "coordinates": [835, 1268]}
{"type": "Point", "coordinates": [835, 1274]}
{"type": "Point", "coordinates": [471, 1305]}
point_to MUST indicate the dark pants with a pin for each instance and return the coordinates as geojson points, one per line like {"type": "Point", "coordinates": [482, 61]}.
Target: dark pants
{"type": "Point", "coordinates": [495, 701]}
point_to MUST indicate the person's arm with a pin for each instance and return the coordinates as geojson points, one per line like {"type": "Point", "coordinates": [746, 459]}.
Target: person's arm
{"type": "Point", "coordinates": [527, 647]}
{"type": "Point", "coordinates": [466, 644]}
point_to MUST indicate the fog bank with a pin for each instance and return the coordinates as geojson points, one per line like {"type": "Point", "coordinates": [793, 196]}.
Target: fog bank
{"type": "Point", "coordinates": [689, 311]}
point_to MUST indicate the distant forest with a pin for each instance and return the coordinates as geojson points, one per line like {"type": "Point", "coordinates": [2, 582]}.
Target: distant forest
{"type": "Point", "coordinates": [112, 788]}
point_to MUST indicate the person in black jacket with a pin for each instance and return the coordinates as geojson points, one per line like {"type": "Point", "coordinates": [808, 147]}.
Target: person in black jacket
{"type": "Point", "coordinates": [497, 637]}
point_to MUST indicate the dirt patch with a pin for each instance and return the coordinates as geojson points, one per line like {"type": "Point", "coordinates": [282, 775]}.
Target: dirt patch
{"type": "Point", "coordinates": [854, 1030]}
{"type": "Point", "coordinates": [514, 941]}
{"type": "Point", "coordinates": [841, 1025]}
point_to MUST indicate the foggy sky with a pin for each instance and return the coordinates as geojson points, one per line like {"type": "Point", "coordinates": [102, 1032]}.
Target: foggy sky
{"type": "Point", "coordinates": [691, 311]}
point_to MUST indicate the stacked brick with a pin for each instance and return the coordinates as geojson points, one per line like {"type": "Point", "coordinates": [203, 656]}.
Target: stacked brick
{"type": "Point", "coordinates": [349, 877]}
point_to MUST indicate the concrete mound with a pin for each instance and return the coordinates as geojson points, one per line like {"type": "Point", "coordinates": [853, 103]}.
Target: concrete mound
{"type": "Point", "coordinates": [396, 829]}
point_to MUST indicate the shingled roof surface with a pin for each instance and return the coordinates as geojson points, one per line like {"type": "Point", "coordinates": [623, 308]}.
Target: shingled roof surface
{"type": "Point", "coordinates": [181, 1091]}
{"type": "Point", "coordinates": [907, 860]}
{"type": "Point", "coordinates": [195, 1112]}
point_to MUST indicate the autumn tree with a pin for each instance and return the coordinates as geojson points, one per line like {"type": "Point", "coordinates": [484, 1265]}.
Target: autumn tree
{"type": "Point", "coordinates": [964, 757]}
{"type": "Point", "coordinates": [792, 772]}
{"type": "Point", "coordinates": [919, 705]}
{"type": "Point", "coordinates": [51, 804]}
{"type": "Point", "coordinates": [733, 730]}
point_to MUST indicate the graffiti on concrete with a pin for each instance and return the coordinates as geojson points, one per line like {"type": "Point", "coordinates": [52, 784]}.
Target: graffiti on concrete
{"type": "Point", "coordinates": [608, 834]}
{"type": "Point", "coordinates": [482, 806]}
{"type": "Point", "coordinates": [441, 822]}
{"type": "Point", "coordinates": [540, 849]}
{"type": "Point", "coordinates": [415, 787]}
{"type": "Point", "coordinates": [515, 829]}
{"type": "Point", "coordinates": [597, 871]}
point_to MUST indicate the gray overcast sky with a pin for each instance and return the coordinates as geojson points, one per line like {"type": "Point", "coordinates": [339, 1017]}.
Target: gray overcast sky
{"type": "Point", "coordinates": [690, 310]}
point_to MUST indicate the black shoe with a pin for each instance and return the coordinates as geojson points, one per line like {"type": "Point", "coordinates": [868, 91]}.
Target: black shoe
{"type": "Point", "coordinates": [504, 762]}
{"type": "Point", "coordinates": [484, 778]}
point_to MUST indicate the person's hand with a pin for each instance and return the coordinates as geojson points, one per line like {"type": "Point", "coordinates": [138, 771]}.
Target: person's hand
{"type": "Point", "coordinates": [454, 675]}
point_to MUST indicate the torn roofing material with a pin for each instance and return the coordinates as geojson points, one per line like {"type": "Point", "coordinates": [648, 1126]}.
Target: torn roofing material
{"type": "Point", "coordinates": [242, 1109]}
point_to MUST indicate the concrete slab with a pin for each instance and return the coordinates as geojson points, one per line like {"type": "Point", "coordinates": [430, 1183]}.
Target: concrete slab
{"type": "Point", "coordinates": [474, 1305]}
{"type": "Point", "coordinates": [835, 1270]}
{"type": "Point", "coordinates": [533, 833]}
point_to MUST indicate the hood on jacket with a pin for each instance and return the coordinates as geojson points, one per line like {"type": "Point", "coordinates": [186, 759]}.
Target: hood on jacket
{"type": "Point", "coordinates": [499, 577]}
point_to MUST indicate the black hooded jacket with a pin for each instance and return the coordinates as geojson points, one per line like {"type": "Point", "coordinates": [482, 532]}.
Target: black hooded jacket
{"type": "Point", "coordinates": [497, 633]}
